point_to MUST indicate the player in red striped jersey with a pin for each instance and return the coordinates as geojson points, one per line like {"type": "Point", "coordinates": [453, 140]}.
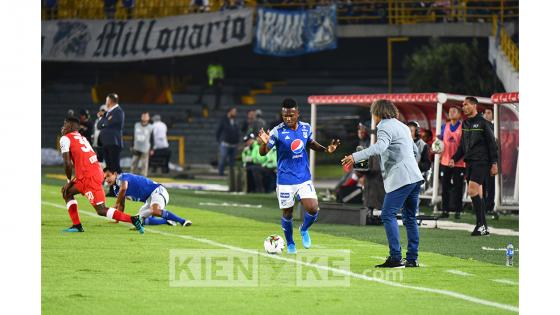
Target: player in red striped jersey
{"type": "Point", "coordinates": [77, 153]}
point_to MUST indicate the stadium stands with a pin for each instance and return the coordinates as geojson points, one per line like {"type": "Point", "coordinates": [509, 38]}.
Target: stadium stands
{"type": "Point", "coordinates": [199, 133]}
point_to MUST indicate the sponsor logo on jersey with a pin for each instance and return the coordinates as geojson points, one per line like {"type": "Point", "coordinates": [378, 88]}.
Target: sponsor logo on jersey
{"type": "Point", "coordinates": [305, 134]}
{"type": "Point", "coordinates": [297, 146]}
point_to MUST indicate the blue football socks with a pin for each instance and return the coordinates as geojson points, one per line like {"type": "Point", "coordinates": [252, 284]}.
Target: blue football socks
{"type": "Point", "coordinates": [308, 220]}
{"type": "Point", "coordinates": [168, 215]}
{"type": "Point", "coordinates": [288, 230]}
{"type": "Point", "coordinates": [154, 221]}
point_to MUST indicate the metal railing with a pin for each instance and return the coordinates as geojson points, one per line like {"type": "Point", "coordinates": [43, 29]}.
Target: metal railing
{"type": "Point", "coordinates": [348, 12]}
{"type": "Point", "coordinates": [507, 45]}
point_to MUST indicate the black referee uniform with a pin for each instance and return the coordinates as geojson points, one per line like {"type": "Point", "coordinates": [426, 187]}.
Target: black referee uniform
{"type": "Point", "coordinates": [479, 150]}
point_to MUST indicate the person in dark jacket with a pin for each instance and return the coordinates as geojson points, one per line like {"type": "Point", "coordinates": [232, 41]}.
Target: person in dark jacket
{"type": "Point", "coordinates": [479, 150]}
{"type": "Point", "coordinates": [86, 125]}
{"type": "Point", "coordinates": [423, 158]}
{"type": "Point", "coordinates": [111, 129]}
{"type": "Point", "coordinates": [228, 135]}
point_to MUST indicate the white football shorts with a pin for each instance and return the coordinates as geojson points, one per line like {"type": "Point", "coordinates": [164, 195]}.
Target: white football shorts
{"type": "Point", "coordinates": [287, 193]}
{"type": "Point", "coordinates": [159, 196]}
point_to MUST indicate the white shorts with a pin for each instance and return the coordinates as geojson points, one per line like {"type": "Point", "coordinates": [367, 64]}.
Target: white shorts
{"type": "Point", "coordinates": [159, 196]}
{"type": "Point", "coordinates": [287, 193]}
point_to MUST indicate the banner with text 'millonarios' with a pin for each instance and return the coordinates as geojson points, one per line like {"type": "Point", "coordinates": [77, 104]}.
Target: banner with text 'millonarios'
{"type": "Point", "coordinates": [295, 32]}
{"type": "Point", "coordinates": [140, 39]}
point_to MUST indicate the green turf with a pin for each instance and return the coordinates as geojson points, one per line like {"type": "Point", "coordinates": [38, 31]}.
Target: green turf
{"type": "Point", "coordinates": [112, 270]}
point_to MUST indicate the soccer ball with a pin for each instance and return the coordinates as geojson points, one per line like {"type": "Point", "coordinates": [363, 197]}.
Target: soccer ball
{"type": "Point", "coordinates": [437, 146]}
{"type": "Point", "coordinates": [274, 244]}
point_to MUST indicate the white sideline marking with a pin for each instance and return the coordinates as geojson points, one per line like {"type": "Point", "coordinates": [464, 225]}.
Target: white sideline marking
{"type": "Point", "coordinates": [497, 249]}
{"type": "Point", "coordinates": [460, 296]}
{"type": "Point", "coordinates": [459, 272]}
{"type": "Point", "coordinates": [505, 281]}
{"type": "Point", "coordinates": [227, 204]}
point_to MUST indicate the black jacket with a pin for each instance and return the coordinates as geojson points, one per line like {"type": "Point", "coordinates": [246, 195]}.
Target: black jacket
{"type": "Point", "coordinates": [227, 132]}
{"type": "Point", "coordinates": [111, 127]}
{"type": "Point", "coordinates": [478, 143]}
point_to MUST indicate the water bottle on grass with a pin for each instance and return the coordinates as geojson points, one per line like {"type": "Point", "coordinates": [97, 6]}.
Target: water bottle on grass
{"type": "Point", "coordinates": [509, 255]}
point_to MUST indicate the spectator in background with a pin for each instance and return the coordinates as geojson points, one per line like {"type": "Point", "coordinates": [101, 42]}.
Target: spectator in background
{"type": "Point", "coordinates": [254, 122]}
{"type": "Point", "coordinates": [423, 157]}
{"type": "Point", "coordinates": [227, 135]}
{"type": "Point", "coordinates": [232, 4]}
{"type": "Point", "coordinates": [52, 9]}
{"type": "Point", "coordinates": [259, 121]}
{"type": "Point", "coordinates": [247, 159]}
{"type": "Point", "coordinates": [269, 165]}
{"type": "Point", "coordinates": [490, 184]}
{"type": "Point", "coordinates": [277, 121]}
{"type": "Point", "coordinates": [452, 183]}
{"type": "Point", "coordinates": [110, 7]}
{"type": "Point", "coordinates": [160, 154]}
{"type": "Point", "coordinates": [129, 7]}
{"type": "Point", "coordinates": [247, 126]}
{"type": "Point", "coordinates": [142, 142]}
{"type": "Point", "coordinates": [199, 6]}
{"type": "Point", "coordinates": [428, 137]}
{"type": "Point", "coordinates": [111, 130]}
{"type": "Point", "coordinates": [97, 146]}
{"type": "Point", "coordinates": [86, 126]}
{"type": "Point", "coordinates": [374, 193]}
{"type": "Point", "coordinates": [215, 74]}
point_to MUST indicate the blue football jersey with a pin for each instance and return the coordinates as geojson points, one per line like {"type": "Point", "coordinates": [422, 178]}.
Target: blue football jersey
{"type": "Point", "coordinates": [139, 187]}
{"type": "Point", "coordinates": [293, 164]}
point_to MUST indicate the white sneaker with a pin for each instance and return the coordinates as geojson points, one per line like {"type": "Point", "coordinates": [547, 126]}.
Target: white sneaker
{"type": "Point", "coordinates": [172, 223]}
{"type": "Point", "coordinates": [187, 223]}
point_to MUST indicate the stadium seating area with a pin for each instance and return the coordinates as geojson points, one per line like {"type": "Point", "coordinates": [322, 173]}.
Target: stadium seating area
{"type": "Point", "coordinates": [199, 133]}
{"type": "Point", "coordinates": [349, 12]}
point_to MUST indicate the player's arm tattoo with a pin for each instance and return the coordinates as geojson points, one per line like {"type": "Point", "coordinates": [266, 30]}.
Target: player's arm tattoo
{"type": "Point", "coordinates": [122, 194]}
{"type": "Point", "coordinates": [67, 165]}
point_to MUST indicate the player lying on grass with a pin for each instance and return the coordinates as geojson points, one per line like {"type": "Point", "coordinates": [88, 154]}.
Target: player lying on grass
{"type": "Point", "coordinates": [139, 188]}
{"type": "Point", "coordinates": [291, 139]}
{"type": "Point", "coordinates": [77, 153]}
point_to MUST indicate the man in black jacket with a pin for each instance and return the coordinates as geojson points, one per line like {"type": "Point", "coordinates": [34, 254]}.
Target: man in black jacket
{"type": "Point", "coordinates": [111, 128]}
{"type": "Point", "coordinates": [479, 150]}
{"type": "Point", "coordinates": [228, 135]}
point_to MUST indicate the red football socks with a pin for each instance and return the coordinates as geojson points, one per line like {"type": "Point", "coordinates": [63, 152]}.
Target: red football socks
{"type": "Point", "coordinates": [115, 214]}
{"type": "Point", "coordinates": [72, 207]}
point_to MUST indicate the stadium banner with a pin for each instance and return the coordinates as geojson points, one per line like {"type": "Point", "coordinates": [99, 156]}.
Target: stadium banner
{"type": "Point", "coordinates": [140, 39]}
{"type": "Point", "coordinates": [295, 32]}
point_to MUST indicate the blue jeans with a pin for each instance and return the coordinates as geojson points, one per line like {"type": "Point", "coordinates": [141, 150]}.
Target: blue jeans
{"type": "Point", "coordinates": [405, 198]}
{"type": "Point", "coordinates": [226, 153]}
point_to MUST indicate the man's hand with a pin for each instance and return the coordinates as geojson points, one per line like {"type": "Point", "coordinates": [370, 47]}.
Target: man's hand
{"type": "Point", "coordinates": [494, 169]}
{"type": "Point", "coordinates": [347, 160]}
{"type": "Point", "coordinates": [332, 147]}
{"type": "Point", "coordinates": [66, 186]}
{"type": "Point", "coordinates": [264, 136]}
{"type": "Point", "coordinates": [451, 163]}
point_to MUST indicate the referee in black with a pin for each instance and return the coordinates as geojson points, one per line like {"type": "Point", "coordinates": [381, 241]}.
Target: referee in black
{"type": "Point", "coordinates": [479, 150]}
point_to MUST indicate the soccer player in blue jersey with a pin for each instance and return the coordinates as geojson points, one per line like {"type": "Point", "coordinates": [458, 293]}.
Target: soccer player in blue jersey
{"type": "Point", "coordinates": [140, 188]}
{"type": "Point", "coordinates": [292, 138]}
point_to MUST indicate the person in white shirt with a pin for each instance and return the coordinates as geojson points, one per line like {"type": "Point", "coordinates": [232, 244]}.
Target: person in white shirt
{"type": "Point", "coordinates": [141, 145]}
{"type": "Point", "coordinates": [160, 151]}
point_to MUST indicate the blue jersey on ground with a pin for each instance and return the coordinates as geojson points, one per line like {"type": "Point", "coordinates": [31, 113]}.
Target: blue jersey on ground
{"type": "Point", "coordinates": [139, 187]}
{"type": "Point", "coordinates": [293, 164]}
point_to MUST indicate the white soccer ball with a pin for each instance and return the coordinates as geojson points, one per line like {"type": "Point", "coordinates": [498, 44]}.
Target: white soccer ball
{"type": "Point", "coordinates": [274, 244]}
{"type": "Point", "coordinates": [437, 146]}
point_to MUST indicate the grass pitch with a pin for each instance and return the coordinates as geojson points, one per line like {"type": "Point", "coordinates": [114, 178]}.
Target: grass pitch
{"type": "Point", "coordinates": [112, 270]}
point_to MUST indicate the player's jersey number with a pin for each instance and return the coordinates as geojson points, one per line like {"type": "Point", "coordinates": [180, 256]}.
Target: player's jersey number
{"type": "Point", "coordinates": [86, 147]}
